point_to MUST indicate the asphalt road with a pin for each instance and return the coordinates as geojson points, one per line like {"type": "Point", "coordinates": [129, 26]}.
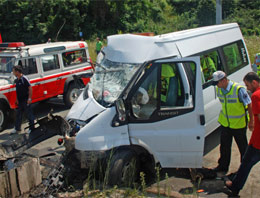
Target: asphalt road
{"type": "Point", "coordinates": [40, 110]}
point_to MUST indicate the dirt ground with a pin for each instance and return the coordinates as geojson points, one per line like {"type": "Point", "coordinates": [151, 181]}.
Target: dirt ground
{"type": "Point", "coordinates": [214, 188]}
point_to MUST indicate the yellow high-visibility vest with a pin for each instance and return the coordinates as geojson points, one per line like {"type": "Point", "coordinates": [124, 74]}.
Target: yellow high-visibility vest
{"type": "Point", "coordinates": [233, 113]}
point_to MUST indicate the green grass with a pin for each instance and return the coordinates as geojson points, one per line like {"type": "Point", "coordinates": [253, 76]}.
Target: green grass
{"type": "Point", "coordinates": [253, 46]}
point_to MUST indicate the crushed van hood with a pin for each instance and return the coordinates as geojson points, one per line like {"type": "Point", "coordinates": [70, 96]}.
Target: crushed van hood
{"type": "Point", "coordinates": [84, 109]}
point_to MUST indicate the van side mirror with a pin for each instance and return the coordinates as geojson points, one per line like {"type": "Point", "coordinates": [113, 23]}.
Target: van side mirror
{"type": "Point", "coordinates": [120, 107]}
{"type": "Point", "coordinates": [121, 112]}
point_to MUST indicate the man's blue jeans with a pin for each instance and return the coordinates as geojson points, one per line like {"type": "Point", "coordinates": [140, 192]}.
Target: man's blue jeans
{"type": "Point", "coordinates": [24, 107]}
{"type": "Point", "coordinates": [251, 157]}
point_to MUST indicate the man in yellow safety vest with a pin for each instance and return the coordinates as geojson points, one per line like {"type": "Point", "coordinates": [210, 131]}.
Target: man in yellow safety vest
{"type": "Point", "coordinates": [233, 117]}
{"type": "Point", "coordinates": [208, 67]}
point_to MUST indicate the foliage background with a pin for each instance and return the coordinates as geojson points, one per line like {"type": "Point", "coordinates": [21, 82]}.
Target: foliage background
{"type": "Point", "coordinates": [34, 21]}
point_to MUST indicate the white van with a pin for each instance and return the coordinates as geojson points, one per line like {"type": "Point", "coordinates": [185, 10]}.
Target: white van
{"type": "Point", "coordinates": [151, 100]}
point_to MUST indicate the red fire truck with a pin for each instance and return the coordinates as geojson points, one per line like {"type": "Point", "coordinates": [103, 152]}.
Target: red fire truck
{"type": "Point", "coordinates": [50, 68]}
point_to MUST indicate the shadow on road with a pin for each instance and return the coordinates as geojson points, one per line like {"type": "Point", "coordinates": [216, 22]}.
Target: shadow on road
{"type": "Point", "coordinates": [41, 109]}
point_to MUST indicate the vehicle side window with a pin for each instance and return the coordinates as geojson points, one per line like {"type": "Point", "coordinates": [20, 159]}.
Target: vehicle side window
{"type": "Point", "coordinates": [210, 62]}
{"type": "Point", "coordinates": [190, 69]}
{"type": "Point", "coordinates": [162, 88]}
{"type": "Point", "coordinates": [171, 86]}
{"type": "Point", "coordinates": [144, 101]}
{"type": "Point", "coordinates": [29, 66]}
{"type": "Point", "coordinates": [50, 62]}
{"type": "Point", "coordinates": [74, 57]}
{"type": "Point", "coordinates": [235, 56]}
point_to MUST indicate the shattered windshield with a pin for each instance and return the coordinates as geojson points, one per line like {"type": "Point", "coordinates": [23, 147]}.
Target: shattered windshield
{"type": "Point", "coordinates": [6, 64]}
{"type": "Point", "coordinates": [109, 80]}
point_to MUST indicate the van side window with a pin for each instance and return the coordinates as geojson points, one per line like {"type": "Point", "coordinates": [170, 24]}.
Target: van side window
{"type": "Point", "coordinates": [29, 66]}
{"type": "Point", "coordinates": [50, 62]}
{"type": "Point", "coordinates": [235, 56]}
{"type": "Point", "coordinates": [209, 64]}
{"type": "Point", "coordinates": [74, 57]}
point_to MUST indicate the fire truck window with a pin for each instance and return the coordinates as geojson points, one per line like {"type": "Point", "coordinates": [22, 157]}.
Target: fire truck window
{"type": "Point", "coordinates": [74, 57]}
{"type": "Point", "coordinates": [50, 62]}
{"type": "Point", "coordinates": [28, 65]}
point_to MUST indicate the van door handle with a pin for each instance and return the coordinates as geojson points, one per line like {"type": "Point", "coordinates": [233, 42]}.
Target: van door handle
{"type": "Point", "coordinates": [202, 120]}
{"type": "Point", "coordinates": [59, 78]}
{"type": "Point", "coordinates": [37, 83]}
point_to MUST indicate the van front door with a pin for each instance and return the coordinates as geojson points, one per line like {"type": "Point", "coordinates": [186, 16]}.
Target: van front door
{"type": "Point", "coordinates": [167, 113]}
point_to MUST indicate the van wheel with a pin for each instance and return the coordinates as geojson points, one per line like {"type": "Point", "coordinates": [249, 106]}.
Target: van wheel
{"type": "Point", "coordinates": [123, 168]}
{"type": "Point", "coordinates": [3, 117]}
{"type": "Point", "coordinates": [71, 95]}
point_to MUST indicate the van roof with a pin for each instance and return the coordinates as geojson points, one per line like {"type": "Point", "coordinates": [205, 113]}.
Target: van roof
{"type": "Point", "coordinates": [44, 48]}
{"type": "Point", "coordinates": [174, 36]}
{"type": "Point", "coordinates": [129, 48]}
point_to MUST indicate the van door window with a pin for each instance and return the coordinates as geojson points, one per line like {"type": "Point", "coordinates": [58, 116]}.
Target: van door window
{"type": "Point", "coordinates": [235, 56]}
{"type": "Point", "coordinates": [171, 86]}
{"type": "Point", "coordinates": [144, 101]}
{"type": "Point", "coordinates": [74, 57]}
{"type": "Point", "coordinates": [50, 62]}
{"type": "Point", "coordinates": [166, 90]}
{"type": "Point", "coordinates": [29, 66]}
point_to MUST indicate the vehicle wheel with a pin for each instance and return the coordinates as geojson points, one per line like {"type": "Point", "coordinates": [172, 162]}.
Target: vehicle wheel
{"type": "Point", "coordinates": [71, 95]}
{"type": "Point", "coordinates": [123, 168]}
{"type": "Point", "coordinates": [3, 117]}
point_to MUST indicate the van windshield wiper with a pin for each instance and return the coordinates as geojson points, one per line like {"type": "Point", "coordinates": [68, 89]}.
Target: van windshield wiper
{"type": "Point", "coordinates": [99, 65]}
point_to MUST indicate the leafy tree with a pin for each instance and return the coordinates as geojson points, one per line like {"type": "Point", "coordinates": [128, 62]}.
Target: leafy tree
{"type": "Point", "coordinates": [206, 12]}
{"type": "Point", "coordinates": [228, 7]}
{"type": "Point", "coordinates": [35, 21]}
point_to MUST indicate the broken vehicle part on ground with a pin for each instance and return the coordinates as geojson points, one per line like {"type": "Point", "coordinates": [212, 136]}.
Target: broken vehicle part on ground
{"type": "Point", "coordinates": [47, 127]}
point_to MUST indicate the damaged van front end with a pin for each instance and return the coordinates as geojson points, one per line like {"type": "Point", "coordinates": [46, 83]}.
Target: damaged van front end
{"type": "Point", "coordinates": [92, 133]}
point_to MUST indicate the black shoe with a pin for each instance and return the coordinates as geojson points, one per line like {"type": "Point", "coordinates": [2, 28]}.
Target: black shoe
{"type": "Point", "coordinates": [233, 193]}
{"type": "Point", "coordinates": [220, 169]}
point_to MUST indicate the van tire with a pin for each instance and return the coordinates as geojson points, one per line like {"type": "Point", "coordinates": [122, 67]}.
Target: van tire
{"type": "Point", "coordinates": [123, 168]}
{"type": "Point", "coordinates": [3, 117]}
{"type": "Point", "coordinates": [71, 95]}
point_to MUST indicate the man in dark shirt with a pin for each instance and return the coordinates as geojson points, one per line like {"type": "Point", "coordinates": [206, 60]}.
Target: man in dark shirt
{"type": "Point", "coordinates": [23, 99]}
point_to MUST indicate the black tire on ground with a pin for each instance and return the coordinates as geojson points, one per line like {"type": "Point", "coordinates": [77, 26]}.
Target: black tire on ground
{"type": "Point", "coordinates": [123, 168]}
{"type": "Point", "coordinates": [71, 95]}
{"type": "Point", "coordinates": [3, 116]}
